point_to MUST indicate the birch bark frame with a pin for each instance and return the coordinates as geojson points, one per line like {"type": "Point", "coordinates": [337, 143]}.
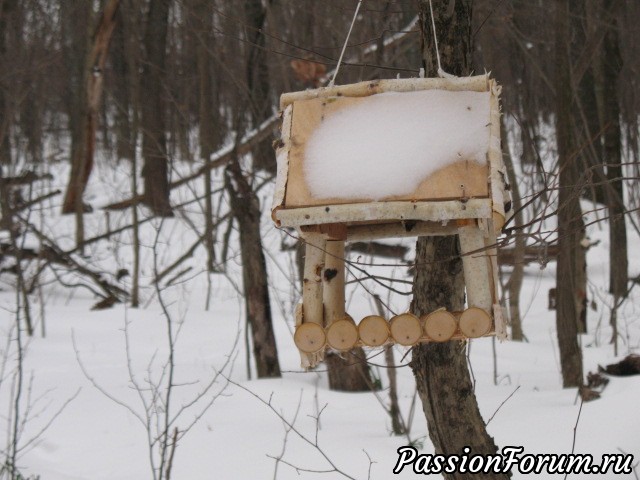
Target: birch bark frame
{"type": "Point", "coordinates": [484, 184]}
{"type": "Point", "coordinates": [464, 198]}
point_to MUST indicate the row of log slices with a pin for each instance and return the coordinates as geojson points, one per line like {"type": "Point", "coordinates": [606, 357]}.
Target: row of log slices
{"type": "Point", "coordinates": [405, 329]}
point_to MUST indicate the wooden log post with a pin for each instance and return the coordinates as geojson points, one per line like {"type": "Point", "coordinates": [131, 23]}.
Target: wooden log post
{"type": "Point", "coordinates": [309, 336]}
{"type": "Point", "coordinates": [333, 282]}
{"type": "Point", "coordinates": [342, 333]}
{"type": "Point", "coordinates": [478, 274]}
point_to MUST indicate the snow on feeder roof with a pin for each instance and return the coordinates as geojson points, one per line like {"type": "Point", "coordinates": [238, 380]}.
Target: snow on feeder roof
{"type": "Point", "coordinates": [383, 159]}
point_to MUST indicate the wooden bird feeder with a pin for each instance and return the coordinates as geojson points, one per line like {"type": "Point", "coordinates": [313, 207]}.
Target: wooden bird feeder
{"type": "Point", "coordinates": [392, 158]}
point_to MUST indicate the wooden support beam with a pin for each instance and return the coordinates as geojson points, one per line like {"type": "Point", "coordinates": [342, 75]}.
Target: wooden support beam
{"type": "Point", "coordinates": [312, 311]}
{"type": "Point", "coordinates": [333, 282]}
{"type": "Point", "coordinates": [478, 273]}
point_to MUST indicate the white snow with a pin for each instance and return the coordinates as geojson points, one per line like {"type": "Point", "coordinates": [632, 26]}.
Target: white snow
{"type": "Point", "coordinates": [238, 436]}
{"type": "Point", "coordinates": [388, 143]}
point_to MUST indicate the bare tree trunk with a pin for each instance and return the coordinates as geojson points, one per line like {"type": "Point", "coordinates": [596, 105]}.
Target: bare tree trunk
{"type": "Point", "coordinates": [348, 372]}
{"type": "Point", "coordinates": [123, 58]}
{"type": "Point", "coordinates": [517, 274]}
{"type": "Point", "coordinates": [246, 209]}
{"type": "Point", "coordinates": [6, 213]}
{"type": "Point", "coordinates": [611, 66]}
{"type": "Point", "coordinates": [441, 372]}
{"type": "Point", "coordinates": [397, 424]}
{"type": "Point", "coordinates": [131, 83]}
{"type": "Point", "coordinates": [570, 223]}
{"type": "Point", "coordinates": [154, 140]}
{"type": "Point", "coordinates": [207, 128]}
{"type": "Point", "coordinates": [76, 20]}
{"type": "Point", "coordinates": [258, 79]}
{"type": "Point", "coordinates": [5, 116]}
{"type": "Point", "coordinates": [84, 150]}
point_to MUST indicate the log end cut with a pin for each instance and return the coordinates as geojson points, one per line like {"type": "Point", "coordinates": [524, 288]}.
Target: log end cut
{"type": "Point", "coordinates": [373, 330]}
{"type": "Point", "coordinates": [475, 322]}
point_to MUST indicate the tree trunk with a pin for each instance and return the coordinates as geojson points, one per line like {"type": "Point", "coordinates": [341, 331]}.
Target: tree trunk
{"type": "Point", "coordinates": [76, 20]}
{"type": "Point", "coordinates": [6, 213]}
{"type": "Point", "coordinates": [207, 132]}
{"type": "Point", "coordinates": [348, 372]}
{"type": "Point", "coordinates": [571, 254]}
{"type": "Point", "coordinates": [258, 80]}
{"type": "Point", "coordinates": [154, 141]}
{"type": "Point", "coordinates": [441, 372]}
{"type": "Point", "coordinates": [5, 111]}
{"type": "Point", "coordinates": [123, 58]}
{"type": "Point", "coordinates": [611, 66]}
{"type": "Point", "coordinates": [246, 210]}
{"type": "Point", "coordinates": [91, 94]}
{"type": "Point", "coordinates": [517, 274]}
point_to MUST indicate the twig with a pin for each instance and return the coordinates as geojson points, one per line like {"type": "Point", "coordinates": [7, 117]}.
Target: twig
{"type": "Point", "coordinates": [174, 442]}
{"type": "Point", "coordinates": [505, 401]}
{"type": "Point", "coordinates": [314, 443]}
{"type": "Point", "coordinates": [575, 432]}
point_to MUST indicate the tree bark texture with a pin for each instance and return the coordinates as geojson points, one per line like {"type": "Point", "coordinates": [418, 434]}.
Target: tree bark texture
{"type": "Point", "coordinates": [441, 372]}
{"type": "Point", "coordinates": [348, 372]}
{"type": "Point", "coordinates": [209, 127]}
{"type": "Point", "coordinates": [91, 95]}
{"type": "Point", "coordinates": [246, 210]}
{"type": "Point", "coordinates": [517, 274]}
{"type": "Point", "coordinates": [612, 64]}
{"type": "Point", "coordinates": [570, 264]}
{"type": "Point", "coordinates": [154, 141]}
{"type": "Point", "coordinates": [5, 112]}
{"type": "Point", "coordinates": [6, 211]}
{"type": "Point", "coordinates": [258, 79]}
{"type": "Point", "coordinates": [124, 61]}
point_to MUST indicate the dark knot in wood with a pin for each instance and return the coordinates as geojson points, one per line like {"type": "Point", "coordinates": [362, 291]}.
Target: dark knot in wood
{"type": "Point", "coordinates": [330, 273]}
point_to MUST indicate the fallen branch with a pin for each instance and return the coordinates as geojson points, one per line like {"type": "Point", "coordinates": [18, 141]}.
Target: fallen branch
{"type": "Point", "coordinates": [26, 178]}
{"type": "Point", "coordinates": [35, 201]}
{"type": "Point", "coordinates": [50, 252]}
{"type": "Point", "coordinates": [110, 233]}
{"type": "Point", "coordinates": [629, 365]}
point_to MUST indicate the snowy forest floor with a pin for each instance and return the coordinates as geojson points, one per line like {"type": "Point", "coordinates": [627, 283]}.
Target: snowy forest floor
{"type": "Point", "coordinates": [235, 426]}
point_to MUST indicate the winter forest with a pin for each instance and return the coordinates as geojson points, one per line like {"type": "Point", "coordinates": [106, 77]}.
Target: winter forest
{"type": "Point", "coordinates": [149, 302]}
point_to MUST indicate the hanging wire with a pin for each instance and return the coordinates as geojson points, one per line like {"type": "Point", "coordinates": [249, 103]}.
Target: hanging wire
{"type": "Point", "coordinates": [441, 72]}
{"type": "Point", "coordinates": [344, 47]}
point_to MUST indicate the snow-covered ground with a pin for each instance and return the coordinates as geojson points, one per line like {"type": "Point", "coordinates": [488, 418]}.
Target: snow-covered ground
{"type": "Point", "coordinates": [89, 363]}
